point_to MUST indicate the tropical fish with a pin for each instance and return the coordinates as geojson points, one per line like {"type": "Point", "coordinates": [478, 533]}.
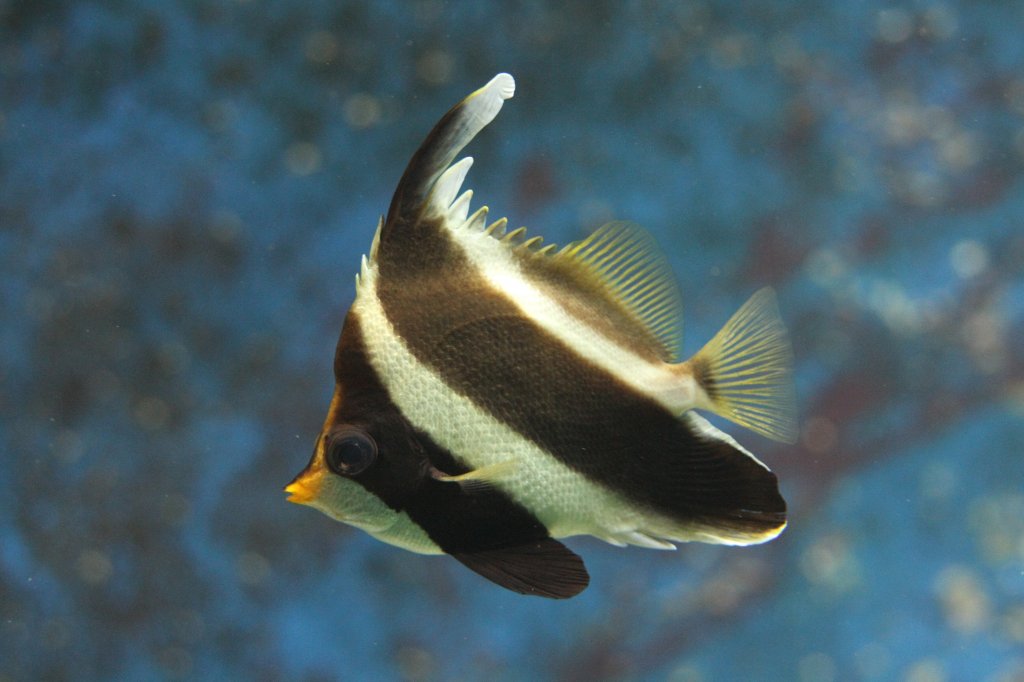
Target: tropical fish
{"type": "Point", "coordinates": [493, 395]}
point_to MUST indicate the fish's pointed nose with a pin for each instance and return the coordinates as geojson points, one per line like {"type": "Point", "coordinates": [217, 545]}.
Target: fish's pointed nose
{"type": "Point", "coordinates": [304, 489]}
{"type": "Point", "coordinates": [297, 493]}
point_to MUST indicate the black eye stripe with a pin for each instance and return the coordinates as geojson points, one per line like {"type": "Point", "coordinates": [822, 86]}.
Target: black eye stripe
{"type": "Point", "coordinates": [349, 451]}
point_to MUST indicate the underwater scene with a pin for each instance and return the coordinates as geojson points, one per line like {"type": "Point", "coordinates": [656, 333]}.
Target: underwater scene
{"type": "Point", "coordinates": [187, 193]}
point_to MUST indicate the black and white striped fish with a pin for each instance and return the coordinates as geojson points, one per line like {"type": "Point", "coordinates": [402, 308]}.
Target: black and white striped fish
{"type": "Point", "coordinates": [492, 395]}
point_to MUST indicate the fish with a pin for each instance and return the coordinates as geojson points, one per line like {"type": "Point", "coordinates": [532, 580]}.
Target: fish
{"type": "Point", "coordinates": [494, 395]}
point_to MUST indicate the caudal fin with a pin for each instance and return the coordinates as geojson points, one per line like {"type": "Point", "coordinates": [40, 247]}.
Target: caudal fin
{"type": "Point", "coordinates": [746, 370]}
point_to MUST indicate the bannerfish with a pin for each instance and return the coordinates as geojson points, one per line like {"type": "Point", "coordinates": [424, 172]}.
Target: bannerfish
{"type": "Point", "coordinates": [493, 395]}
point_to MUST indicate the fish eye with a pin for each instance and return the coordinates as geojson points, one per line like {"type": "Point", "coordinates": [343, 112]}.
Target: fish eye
{"type": "Point", "coordinates": [349, 451]}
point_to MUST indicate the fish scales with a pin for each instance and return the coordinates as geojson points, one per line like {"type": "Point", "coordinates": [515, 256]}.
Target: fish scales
{"type": "Point", "coordinates": [559, 414]}
{"type": "Point", "coordinates": [492, 395]}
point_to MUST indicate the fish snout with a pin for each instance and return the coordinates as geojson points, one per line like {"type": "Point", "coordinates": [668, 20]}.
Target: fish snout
{"type": "Point", "coordinates": [304, 488]}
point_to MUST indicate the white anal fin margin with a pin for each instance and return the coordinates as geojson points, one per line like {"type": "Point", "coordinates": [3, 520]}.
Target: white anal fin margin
{"type": "Point", "coordinates": [636, 538]}
{"type": "Point", "coordinates": [448, 185]}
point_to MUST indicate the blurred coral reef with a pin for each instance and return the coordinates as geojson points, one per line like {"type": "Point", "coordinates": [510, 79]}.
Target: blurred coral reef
{"type": "Point", "coordinates": [186, 189]}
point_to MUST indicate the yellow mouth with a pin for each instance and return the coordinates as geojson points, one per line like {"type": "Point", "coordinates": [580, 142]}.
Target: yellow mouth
{"type": "Point", "coordinates": [306, 486]}
{"type": "Point", "coordinates": [303, 489]}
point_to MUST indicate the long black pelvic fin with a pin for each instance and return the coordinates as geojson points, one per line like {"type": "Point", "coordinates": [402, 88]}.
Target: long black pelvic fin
{"type": "Point", "coordinates": [449, 136]}
{"type": "Point", "coordinates": [542, 568]}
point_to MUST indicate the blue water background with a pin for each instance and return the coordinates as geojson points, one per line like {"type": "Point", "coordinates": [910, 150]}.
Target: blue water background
{"type": "Point", "coordinates": [186, 189]}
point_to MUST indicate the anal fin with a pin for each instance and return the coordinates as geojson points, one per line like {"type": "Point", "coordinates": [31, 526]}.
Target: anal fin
{"type": "Point", "coordinates": [543, 568]}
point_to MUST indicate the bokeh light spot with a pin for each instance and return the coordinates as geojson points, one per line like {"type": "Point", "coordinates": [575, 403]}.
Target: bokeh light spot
{"type": "Point", "coordinates": [435, 67]}
{"type": "Point", "coordinates": [175, 509]}
{"type": "Point", "coordinates": [969, 258]}
{"type": "Point", "coordinates": [94, 567]}
{"type": "Point", "coordinates": [152, 413]}
{"type": "Point", "coordinates": [820, 435]}
{"type": "Point", "coordinates": [894, 25]}
{"type": "Point", "coordinates": [829, 562]}
{"type": "Point", "coordinates": [965, 602]}
{"type": "Point", "coordinates": [872, 660]}
{"type": "Point", "coordinates": [817, 667]}
{"type": "Point", "coordinates": [67, 447]}
{"type": "Point", "coordinates": [252, 568]}
{"type": "Point", "coordinates": [321, 47]}
{"type": "Point", "coordinates": [926, 670]}
{"type": "Point", "coordinates": [940, 22]}
{"type": "Point", "coordinates": [416, 663]}
{"type": "Point", "coordinates": [362, 110]}
{"type": "Point", "coordinates": [302, 158]}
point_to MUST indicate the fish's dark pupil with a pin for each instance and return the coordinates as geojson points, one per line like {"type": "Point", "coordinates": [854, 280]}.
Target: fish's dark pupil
{"type": "Point", "coordinates": [350, 452]}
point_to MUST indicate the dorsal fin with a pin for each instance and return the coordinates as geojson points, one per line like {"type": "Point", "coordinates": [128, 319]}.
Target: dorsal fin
{"type": "Point", "coordinates": [621, 262]}
{"type": "Point", "coordinates": [616, 276]}
{"type": "Point", "coordinates": [618, 273]}
{"type": "Point", "coordinates": [430, 181]}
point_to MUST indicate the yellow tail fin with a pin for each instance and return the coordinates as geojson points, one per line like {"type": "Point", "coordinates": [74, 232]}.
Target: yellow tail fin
{"type": "Point", "coordinates": [746, 370]}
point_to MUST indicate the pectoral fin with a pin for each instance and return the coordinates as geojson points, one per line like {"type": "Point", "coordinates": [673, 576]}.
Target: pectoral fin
{"type": "Point", "coordinates": [477, 480]}
{"type": "Point", "coordinates": [544, 568]}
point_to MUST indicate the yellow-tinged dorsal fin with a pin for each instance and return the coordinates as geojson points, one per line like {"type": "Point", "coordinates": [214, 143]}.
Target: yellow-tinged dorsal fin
{"type": "Point", "coordinates": [746, 370]}
{"type": "Point", "coordinates": [623, 261]}
{"type": "Point", "coordinates": [618, 272]}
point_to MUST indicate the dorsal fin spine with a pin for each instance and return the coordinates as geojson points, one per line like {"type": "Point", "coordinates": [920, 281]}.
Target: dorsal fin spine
{"type": "Point", "coordinates": [375, 245]}
{"type": "Point", "coordinates": [478, 219]}
{"type": "Point", "coordinates": [460, 207]}
{"type": "Point", "coordinates": [498, 226]}
{"type": "Point", "coordinates": [514, 234]}
{"type": "Point", "coordinates": [415, 193]}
